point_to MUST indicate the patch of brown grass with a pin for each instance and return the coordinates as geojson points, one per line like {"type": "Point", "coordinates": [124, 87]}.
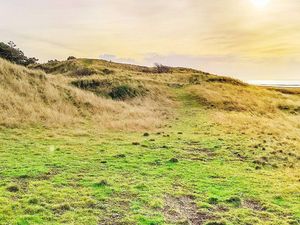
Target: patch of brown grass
{"type": "Point", "coordinates": [183, 210]}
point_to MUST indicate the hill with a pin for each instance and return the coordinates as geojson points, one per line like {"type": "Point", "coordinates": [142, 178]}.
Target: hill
{"type": "Point", "coordinates": [31, 97]}
{"type": "Point", "coordinates": [94, 142]}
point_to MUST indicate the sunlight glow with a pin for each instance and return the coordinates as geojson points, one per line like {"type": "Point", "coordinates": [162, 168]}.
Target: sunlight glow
{"type": "Point", "coordinates": [249, 39]}
{"type": "Point", "coordinates": [260, 3]}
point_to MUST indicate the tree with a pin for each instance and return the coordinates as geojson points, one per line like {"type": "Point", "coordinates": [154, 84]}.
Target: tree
{"type": "Point", "coordinates": [11, 44]}
{"type": "Point", "coordinates": [13, 54]}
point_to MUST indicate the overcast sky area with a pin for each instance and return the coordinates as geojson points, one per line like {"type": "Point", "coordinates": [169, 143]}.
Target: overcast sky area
{"type": "Point", "coordinates": [247, 39]}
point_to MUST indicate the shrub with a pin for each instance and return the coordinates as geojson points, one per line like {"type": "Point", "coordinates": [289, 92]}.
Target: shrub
{"type": "Point", "coordinates": [13, 188]}
{"type": "Point", "coordinates": [102, 183]}
{"type": "Point", "coordinates": [213, 200]}
{"type": "Point", "coordinates": [216, 223]}
{"type": "Point", "coordinates": [293, 109]}
{"type": "Point", "coordinates": [236, 201]}
{"type": "Point", "coordinates": [195, 79]}
{"type": "Point", "coordinates": [174, 160]}
{"type": "Point", "coordinates": [33, 201]}
{"type": "Point", "coordinates": [53, 61]}
{"type": "Point", "coordinates": [124, 92]}
{"type": "Point", "coordinates": [84, 72]}
{"type": "Point", "coordinates": [91, 84]}
{"type": "Point", "coordinates": [107, 71]}
{"type": "Point", "coordinates": [161, 68]}
{"type": "Point", "coordinates": [71, 58]}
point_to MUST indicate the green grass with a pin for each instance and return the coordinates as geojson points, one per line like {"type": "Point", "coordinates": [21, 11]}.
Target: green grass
{"type": "Point", "coordinates": [83, 176]}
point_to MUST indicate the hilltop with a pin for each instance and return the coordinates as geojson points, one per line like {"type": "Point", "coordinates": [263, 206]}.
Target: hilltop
{"type": "Point", "coordinates": [87, 141]}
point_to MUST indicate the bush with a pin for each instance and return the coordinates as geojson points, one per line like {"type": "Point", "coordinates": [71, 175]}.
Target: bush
{"type": "Point", "coordinates": [11, 53]}
{"type": "Point", "coordinates": [213, 201]}
{"type": "Point", "coordinates": [102, 183]}
{"type": "Point", "coordinates": [53, 61]}
{"type": "Point", "coordinates": [236, 201]}
{"type": "Point", "coordinates": [216, 223]}
{"type": "Point", "coordinates": [124, 92]}
{"type": "Point", "coordinates": [84, 72]}
{"type": "Point", "coordinates": [161, 68]}
{"type": "Point", "coordinates": [108, 89]}
{"type": "Point", "coordinates": [71, 58]}
{"type": "Point", "coordinates": [91, 84]}
{"type": "Point", "coordinates": [107, 71]}
{"type": "Point", "coordinates": [13, 188]}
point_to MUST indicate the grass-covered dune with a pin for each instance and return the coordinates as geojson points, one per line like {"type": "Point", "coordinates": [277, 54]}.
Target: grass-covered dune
{"type": "Point", "coordinates": [32, 97]}
{"type": "Point", "coordinates": [94, 142]}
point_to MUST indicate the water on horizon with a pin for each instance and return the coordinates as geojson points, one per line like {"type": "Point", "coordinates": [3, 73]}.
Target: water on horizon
{"type": "Point", "coordinates": [275, 83]}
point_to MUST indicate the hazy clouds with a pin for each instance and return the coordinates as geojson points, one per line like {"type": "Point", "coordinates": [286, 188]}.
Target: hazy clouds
{"type": "Point", "coordinates": [223, 36]}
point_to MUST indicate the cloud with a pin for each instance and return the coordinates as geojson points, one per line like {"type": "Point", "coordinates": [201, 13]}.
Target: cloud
{"type": "Point", "coordinates": [225, 36]}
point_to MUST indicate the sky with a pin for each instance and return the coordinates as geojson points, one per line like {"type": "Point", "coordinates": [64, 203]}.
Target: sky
{"type": "Point", "coordinates": [246, 39]}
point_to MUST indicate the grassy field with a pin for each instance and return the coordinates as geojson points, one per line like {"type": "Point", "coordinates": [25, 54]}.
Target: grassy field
{"type": "Point", "coordinates": [195, 149]}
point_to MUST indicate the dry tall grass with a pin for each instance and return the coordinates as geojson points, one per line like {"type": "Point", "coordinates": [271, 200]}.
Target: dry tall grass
{"type": "Point", "coordinates": [30, 97]}
{"type": "Point", "coordinates": [251, 99]}
{"type": "Point", "coordinates": [252, 110]}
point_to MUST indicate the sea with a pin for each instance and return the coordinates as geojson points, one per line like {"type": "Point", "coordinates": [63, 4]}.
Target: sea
{"type": "Point", "coordinates": [276, 83]}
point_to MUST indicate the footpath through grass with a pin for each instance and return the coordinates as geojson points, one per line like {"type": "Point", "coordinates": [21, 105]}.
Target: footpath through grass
{"type": "Point", "coordinates": [190, 172]}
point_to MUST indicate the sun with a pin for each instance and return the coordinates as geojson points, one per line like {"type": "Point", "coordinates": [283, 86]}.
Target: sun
{"type": "Point", "coordinates": [260, 3]}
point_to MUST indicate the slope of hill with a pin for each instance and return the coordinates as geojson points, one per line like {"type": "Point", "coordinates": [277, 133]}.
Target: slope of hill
{"type": "Point", "coordinates": [178, 147]}
{"type": "Point", "coordinates": [32, 97]}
